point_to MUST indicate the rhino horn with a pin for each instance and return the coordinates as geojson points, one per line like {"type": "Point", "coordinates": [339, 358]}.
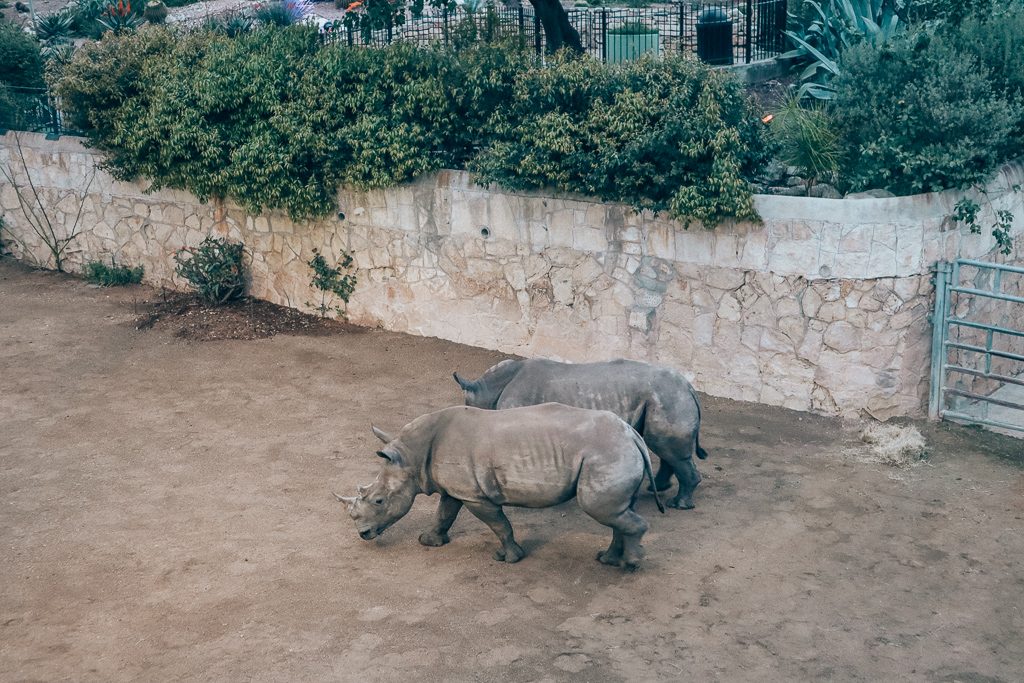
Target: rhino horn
{"type": "Point", "coordinates": [381, 434]}
{"type": "Point", "coordinates": [467, 385]}
{"type": "Point", "coordinates": [345, 499]}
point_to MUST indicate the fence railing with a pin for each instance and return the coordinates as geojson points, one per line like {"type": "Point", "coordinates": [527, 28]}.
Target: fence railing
{"type": "Point", "coordinates": [721, 32]}
{"type": "Point", "coordinates": [36, 110]}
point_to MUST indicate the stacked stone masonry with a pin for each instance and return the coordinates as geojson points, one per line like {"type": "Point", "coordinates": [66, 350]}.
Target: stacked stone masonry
{"type": "Point", "coordinates": [822, 307]}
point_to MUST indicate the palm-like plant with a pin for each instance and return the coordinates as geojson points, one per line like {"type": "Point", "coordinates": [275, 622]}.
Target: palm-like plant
{"type": "Point", "coordinates": [54, 28]}
{"type": "Point", "coordinates": [838, 25]}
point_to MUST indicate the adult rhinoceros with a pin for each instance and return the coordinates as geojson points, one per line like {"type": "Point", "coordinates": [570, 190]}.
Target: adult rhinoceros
{"type": "Point", "coordinates": [655, 400]}
{"type": "Point", "coordinates": [535, 457]}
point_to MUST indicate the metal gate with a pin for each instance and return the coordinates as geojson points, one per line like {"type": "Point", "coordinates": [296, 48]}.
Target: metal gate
{"type": "Point", "coordinates": [978, 344]}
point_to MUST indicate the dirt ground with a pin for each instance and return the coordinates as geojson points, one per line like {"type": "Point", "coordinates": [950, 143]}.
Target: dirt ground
{"type": "Point", "coordinates": [166, 515]}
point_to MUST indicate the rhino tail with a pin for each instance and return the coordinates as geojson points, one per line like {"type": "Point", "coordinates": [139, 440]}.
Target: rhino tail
{"type": "Point", "coordinates": [701, 453]}
{"type": "Point", "coordinates": [648, 468]}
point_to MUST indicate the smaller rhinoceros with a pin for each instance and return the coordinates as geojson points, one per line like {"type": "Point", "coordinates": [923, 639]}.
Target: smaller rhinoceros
{"type": "Point", "coordinates": [655, 400]}
{"type": "Point", "coordinates": [536, 457]}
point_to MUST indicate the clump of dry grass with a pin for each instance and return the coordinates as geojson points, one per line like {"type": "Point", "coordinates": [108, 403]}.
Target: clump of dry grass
{"type": "Point", "coordinates": [893, 445]}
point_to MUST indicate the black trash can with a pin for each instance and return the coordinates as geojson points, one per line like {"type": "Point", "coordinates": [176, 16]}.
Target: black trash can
{"type": "Point", "coordinates": [714, 36]}
{"type": "Point", "coordinates": [771, 22]}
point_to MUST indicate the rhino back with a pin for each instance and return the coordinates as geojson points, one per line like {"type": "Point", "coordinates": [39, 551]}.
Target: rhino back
{"type": "Point", "coordinates": [528, 457]}
{"type": "Point", "coordinates": [622, 387]}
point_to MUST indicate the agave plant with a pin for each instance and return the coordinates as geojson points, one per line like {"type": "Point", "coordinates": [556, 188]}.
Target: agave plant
{"type": "Point", "coordinates": [232, 24]}
{"type": "Point", "coordinates": [119, 19]}
{"type": "Point", "coordinates": [838, 25]}
{"type": "Point", "coordinates": [54, 28]}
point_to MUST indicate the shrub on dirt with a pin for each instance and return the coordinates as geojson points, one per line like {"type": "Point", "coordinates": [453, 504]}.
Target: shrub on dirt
{"type": "Point", "coordinates": [99, 273]}
{"type": "Point", "coordinates": [214, 269]}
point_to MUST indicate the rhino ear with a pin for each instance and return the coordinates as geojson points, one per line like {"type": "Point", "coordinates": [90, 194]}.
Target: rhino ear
{"type": "Point", "coordinates": [381, 434]}
{"type": "Point", "coordinates": [467, 385]}
{"type": "Point", "coordinates": [390, 455]}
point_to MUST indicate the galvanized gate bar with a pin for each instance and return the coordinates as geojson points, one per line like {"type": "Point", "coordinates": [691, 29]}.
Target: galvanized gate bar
{"type": "Point", "coordinates": [982, 397]}
{"type": "Point", "coordinates": [980, 420]}
{"type": "Point", "coordinates": [983, 326]}
{"type": "Point", "coordinates": [939, 338]}
{"type": "Point", "coordinates": [988, 294]}
{"type": "Point", "coordinates": [947, 281]}
{"type": "Point", "coordinates": [990, 266]}
{"type": "Point", "coordinates": [986, 375]}
{"type": "Point", "coordinates": [982, 349]}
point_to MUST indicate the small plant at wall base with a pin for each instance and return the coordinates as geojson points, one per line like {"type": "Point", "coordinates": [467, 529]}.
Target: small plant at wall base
{"type": "Point", "coordinates": [331, 283]}
{"type": "Point", "coordinates": [99, 273]}
{"type": "Point", "coordinates": [214, 269]}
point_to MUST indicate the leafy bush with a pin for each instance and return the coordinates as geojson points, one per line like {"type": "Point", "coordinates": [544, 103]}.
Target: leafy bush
{"type": "Point", "coordinates": [330, 282]}
{"type": "Point", "coordinates": [669, 135]}
{"type": "Point", "coordinates": [21, 64]}
{"type": "Point", "coordinates": [104, 82]}
{"type": "Point", "coordinates": [214, 269]}
{"type": "Point", "coordinates": [997, 40]}
{"type": "Point", "coordinates": [99, 273]}
{"type": "Point", "coordinates": [951, 11]}
{"type": "Point", "coordinates": [916, 115]}
{"type": "Point", "coordinates": [275, 121]}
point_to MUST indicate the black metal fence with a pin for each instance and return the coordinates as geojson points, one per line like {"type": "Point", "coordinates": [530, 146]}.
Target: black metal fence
{"type": "Point", "coordinates": [35, 110]}
{"type": "Point", "coordinates": [720, 32]}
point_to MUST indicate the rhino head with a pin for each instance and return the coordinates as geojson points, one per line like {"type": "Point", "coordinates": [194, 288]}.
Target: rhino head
{"type": "Point", "coordinates": [485, 392]}
{"type": "Point", "coordinates": [390, 496]}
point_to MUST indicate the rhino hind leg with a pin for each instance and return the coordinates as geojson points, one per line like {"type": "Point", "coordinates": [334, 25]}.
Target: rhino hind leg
{"type": "Point", "coordinates": [676, 455]}
{"type": "Point", "coordinates": [663, 479]}
{"type": "Point", "coordinates": [447, 510]}
{"type": "Point", "coordinates": [625, 550]}
{"type": "Point", "coordinates": [493, 516]}
{"type": "Point", "coordinates": [689, 478]}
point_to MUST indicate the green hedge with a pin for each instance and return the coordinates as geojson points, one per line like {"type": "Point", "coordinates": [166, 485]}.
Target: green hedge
{"type": "Point", "coordinates": [668, 135]}
{"type": "Point", "coordinates": [275, 121]}
{"type": "Point", "coordinates": [919, 114]}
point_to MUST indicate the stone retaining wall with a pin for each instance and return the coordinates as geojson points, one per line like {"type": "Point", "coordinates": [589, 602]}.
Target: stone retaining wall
{"type": "Point", "coordinates": [823, 307]}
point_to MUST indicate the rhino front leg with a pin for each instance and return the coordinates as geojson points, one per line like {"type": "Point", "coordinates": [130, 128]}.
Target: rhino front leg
{"type": "Point", "coordinates": [447, 511]}
{"type": "Point", "coordinates": [493, 516]}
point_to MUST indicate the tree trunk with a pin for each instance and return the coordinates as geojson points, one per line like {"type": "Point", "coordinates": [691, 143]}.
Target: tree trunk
{"type": "Point", "coordinates": [557, 29]}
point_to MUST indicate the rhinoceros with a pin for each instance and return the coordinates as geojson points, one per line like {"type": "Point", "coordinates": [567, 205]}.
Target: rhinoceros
{"type": "Point", "coordinates": [655, 400]}
{"type": "Point", "coordinates": [536, 457]}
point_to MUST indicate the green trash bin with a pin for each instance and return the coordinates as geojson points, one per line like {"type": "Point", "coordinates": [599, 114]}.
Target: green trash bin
{"type": "Point", "coordinates": [629, 41]}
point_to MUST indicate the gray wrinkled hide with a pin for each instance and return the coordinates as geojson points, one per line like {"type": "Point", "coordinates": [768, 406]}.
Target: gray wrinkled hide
{"type": "Point", "coordinates": [655, 400]}
{"type": "Point", "coordinates": [537, 456]}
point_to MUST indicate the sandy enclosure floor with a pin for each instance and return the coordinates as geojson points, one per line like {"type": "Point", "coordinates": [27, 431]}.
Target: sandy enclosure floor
{"type": "Point", "coordinates": [166, 515]}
